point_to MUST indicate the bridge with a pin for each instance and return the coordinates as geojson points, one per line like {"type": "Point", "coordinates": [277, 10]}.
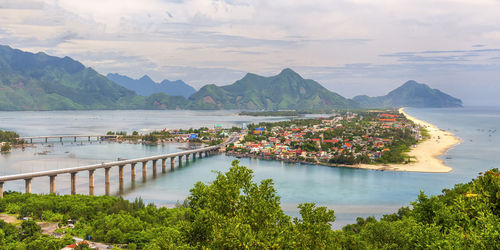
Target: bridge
{"type": "Point", "coordinates": [27, 177]}
{"type": "Point", "coordinates": [60, 137]}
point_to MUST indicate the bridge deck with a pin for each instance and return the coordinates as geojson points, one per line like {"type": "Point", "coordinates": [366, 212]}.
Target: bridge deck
{"type": "Point", "coordinates": [63, 136]}
{"type": "Point", "coordinates": [25, 176]}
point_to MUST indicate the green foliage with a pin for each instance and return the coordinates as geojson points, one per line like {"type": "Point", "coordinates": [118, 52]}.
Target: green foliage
{"type": "Point", "coordinates": [29, 229]}
{"type": "Point", "coordinates": [287, 90]}
{"type": "Point", "coordinates": [5, 147]}
{"type": "Point", "coordinates": [465, 217]}
{"type": "Point", "coordinates": [235, 212]}
{"type": "Point", "coordinates": [8, 136]}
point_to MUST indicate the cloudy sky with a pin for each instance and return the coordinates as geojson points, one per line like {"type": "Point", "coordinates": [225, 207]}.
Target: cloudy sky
{"type": "Point", "coordinates": [350, 46]}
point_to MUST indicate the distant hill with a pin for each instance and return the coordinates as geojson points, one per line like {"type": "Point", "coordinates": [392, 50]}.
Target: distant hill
{"type": "Point", "coordinates": [38, 81]}
{"type": "Point", "coordinates": [287, 90]}
{"type": "Point", "coordinates": [41, 82]}
{"type": "Point", "coordinates": [410, 94]}
{"type": "Point", "coordinates": [145, 86]}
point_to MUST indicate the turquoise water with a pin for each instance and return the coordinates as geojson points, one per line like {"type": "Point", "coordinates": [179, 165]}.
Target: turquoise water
{"type": "Point", "coordinates": [350, 192]}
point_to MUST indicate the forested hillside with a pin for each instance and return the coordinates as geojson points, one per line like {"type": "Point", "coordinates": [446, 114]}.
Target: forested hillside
{"type": "Point", "coordinates": [287, 90]}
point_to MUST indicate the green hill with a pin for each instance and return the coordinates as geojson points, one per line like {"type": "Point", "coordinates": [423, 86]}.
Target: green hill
{"type": "Point", "coordinates": [287, 90]}
{"type": "Point", "coordinates": [41, 82]}
{"type": "Point", "coordinates": [38, 81]}
{"type": "Point", "coordinates": [410, 94]}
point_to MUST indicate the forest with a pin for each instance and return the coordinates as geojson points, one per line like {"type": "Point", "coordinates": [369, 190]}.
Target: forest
{"type": "Point", "coordinates": [233, 211]}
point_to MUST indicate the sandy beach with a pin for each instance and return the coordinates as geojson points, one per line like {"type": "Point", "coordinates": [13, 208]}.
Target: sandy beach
{"type": "Point", "coordinates": [426, 153]}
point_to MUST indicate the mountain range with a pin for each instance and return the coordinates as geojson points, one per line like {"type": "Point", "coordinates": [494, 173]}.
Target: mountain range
{"type": "Point", "coordinates": [287, 90]}
{"type": "Point", "coordinates": [30, 81]}
{"type": "Point", "coordinates": [145, 86]}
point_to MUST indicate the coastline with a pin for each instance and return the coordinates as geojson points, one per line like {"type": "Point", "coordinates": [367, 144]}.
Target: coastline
{"type": "Point", "coordinates": [425, 153]}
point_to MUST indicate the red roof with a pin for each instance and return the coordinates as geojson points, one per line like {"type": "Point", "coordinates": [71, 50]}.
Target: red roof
{"type": "Point", "coordinates": [332, 141]}
{"type": "Point", "coordinates": [76, 244]}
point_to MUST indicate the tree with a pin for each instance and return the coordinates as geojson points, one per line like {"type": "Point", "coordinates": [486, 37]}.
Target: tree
{"type": "Point", "coordinates": [5, 147]}
{"type": "Point", "coordinates": [29, 229]}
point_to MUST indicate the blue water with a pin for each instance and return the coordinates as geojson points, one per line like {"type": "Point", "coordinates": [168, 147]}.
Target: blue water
{"type": "Point", "coordinates": [350, 192]}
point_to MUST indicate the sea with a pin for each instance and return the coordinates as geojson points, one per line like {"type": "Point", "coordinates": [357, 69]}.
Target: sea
{"type": "Point", "coordinates": [351, 193]}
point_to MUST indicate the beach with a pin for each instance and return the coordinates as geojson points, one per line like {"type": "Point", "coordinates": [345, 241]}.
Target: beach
{"type": "Point", "coordinates": [425, 154]}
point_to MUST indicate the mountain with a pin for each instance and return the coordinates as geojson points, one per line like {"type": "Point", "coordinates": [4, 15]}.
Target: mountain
{"type": "Point", "coordinates": [145, 86]}
{"type": "Point", "coordinates": [38, 81]}
{"type": "Point", "coordinates": [410, 94]}
{"type": "Point", "coordinates": [287, 90]}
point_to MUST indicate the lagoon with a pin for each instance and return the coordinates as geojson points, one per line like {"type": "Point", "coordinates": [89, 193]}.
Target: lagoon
{"type": "Point", "coordinates": [350, 192]}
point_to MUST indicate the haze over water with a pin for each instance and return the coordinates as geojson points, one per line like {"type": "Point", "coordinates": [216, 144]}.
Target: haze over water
{"type": "Point", "coordinates": [350, 192]}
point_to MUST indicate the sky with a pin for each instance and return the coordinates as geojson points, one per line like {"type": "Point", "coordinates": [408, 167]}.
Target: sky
{"type": "Point", "coordinates": [351, 47]}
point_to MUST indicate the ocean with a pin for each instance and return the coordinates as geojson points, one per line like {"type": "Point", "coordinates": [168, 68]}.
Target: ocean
{"type": "Point", "coordinates": [350, 192]}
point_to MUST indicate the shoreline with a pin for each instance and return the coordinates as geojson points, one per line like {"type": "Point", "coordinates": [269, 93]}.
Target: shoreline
{"type": "Point", "coordinates": [426, 153]}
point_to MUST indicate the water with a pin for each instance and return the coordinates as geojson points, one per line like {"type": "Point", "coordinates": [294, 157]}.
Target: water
{"type": "Point", "coordinates": [350, 192]}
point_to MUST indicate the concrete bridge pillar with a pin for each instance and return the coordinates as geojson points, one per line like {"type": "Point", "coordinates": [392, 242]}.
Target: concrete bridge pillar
{"type": "Point", "coordinates": [194, 156]}
{"type": "Point", "coordinates": [46, 139]}
{"type": "Point", "coordinates": [132, 171]}
{"type": "Point", "coordinates": [172, 163]}
{"type": "Point", "coordinates": [120, 178]}
{"type": "Point", "coordinates": [75, 138]}
{"type": "Point", "coordinates": [60, 139]}
{"type": "Point", "coordinates": [200, 154]}
{"type": "Point", "coordinates": [52, 184]}
{"type": "Point", "coordinates": [27, 186]}
{"type": "Point", "coordinates": [31, 141]}
{"type": "Point", "coordinates": [180, 160]}
{"type": "Point", "coordinates": [187, 158]}
{"type": "Point", "coordinates": [154, 168]}
{"type": "Point", "coordinates": [164, 165]}
{"type": "Point", "coordinates": [91, 182]}
{"type": "Point", "coordinates": [89, 138]}
{"type": "Point", "coordinates": [144, 170]}
{"type": "Point", "coordinates": [120, 174]}
{"type": "Point", "coordinates": [1, 190]}
{"type": "Point", "coordinates": [73, 183]}
{"type": "Point", "coordinates": [106, 180]}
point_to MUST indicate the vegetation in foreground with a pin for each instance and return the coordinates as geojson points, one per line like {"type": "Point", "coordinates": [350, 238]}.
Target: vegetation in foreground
{"type": "Point", "coordinates": [235, 212]}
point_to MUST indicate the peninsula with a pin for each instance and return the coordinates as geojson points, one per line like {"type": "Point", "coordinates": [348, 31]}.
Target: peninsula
{"type": "Point", "coordinates": [376, 139]}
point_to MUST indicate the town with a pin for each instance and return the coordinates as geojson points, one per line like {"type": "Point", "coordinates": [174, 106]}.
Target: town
{"type": "Point", "coordinates": [346, 138]}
